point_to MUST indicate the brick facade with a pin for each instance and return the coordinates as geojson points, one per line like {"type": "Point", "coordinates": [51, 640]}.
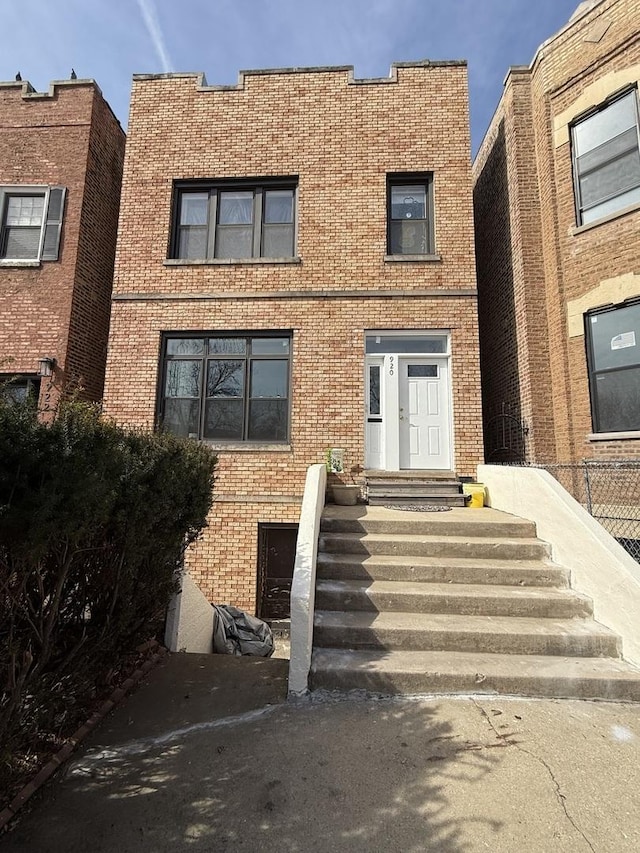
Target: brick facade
{"type": "Point", "coordinates": [65, 137]}
{"type": "Point", "coordinates": [539, 272]}
{"type": "Point", "coordinates": [341, 137]}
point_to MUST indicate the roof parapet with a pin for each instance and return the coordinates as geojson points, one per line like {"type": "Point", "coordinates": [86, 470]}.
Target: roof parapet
{"type": "Point", "coordinates": [202, 84]}
{"type": "Point", "coordinates": [29, 92]}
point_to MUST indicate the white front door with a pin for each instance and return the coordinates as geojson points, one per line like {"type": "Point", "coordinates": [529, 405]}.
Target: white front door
{"type": "Point", "coordinates": [424, 429]}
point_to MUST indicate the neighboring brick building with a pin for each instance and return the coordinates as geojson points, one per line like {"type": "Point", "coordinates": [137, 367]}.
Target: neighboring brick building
{"type": "Point", "coordinates": [61, 155]}
{"type": "Point", "coordinates": [557, 212]}
{"type": "Point", "coordinates": [306, 241]}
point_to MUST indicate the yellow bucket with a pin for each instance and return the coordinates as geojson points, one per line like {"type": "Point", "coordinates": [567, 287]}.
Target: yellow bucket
{"type": "Point", "coordinates": [476, 491]}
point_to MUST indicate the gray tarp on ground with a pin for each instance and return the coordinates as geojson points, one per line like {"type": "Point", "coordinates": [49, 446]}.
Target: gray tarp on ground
{"type": "Point", "coordinates": [237, 633]}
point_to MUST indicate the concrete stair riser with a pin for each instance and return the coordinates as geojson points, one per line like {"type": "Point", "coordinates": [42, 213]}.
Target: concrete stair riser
{"type": "Point", "coordinates": [432, 546]}
{"type": "Point", "coordinates": [398, 487]}
{"type": "Point", "coordinates": [424, 524]}
{"type": "Point", "coordinates": [442, 570]}
{"type": "Point", "coordinates": [422, 499]}
{"type": "Point", "coordinates": [486, 639]}
{"type": "Point", "coordinates": [441, 672]}
{"type": "Point", "coordinates": [442, 598]}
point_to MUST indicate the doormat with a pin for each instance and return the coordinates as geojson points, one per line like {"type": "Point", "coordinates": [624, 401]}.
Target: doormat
{"type": "Point", "coordinates": [418, 507]}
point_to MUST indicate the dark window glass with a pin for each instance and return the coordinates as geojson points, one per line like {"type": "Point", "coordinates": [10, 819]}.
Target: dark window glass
{"type": "Point", "coordinates": [614, 363]}
{"type": "Point", "coordinates": [183, 379]}
{"type": "Point", "coordinates": [268, 420]}
{"type": "Point", "coordinates": [16, 389]}
{"type": "Point", "coordinates": [618, 400]}
{"type": "Point", "coordinates": [406, 343]}
{"type": "Point", "coordinates": [228, 223]}
{"type": "Point", "coordinates": [268, 378]}
{"type": "Point", "coordinates": [374, 389]}
{"type": "Point", "coordinates": [181, 417]}
{"type": "Point", "coordinates": [245, 393]}
{"type": "Point", "coordinates": [270, 346]}
{"type": "Point", "coordinates": [424, 371]}
{"type": "Point", "coordinates": [225, 378]}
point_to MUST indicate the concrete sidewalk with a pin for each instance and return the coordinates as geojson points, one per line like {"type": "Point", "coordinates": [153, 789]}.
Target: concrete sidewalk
{"type": "Point", "coordinates": [208, 756]}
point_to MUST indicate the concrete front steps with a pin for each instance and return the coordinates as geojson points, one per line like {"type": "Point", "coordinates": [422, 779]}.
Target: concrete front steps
{"type": "Point", "coordinates": [465, 601]}
{"type": "Point", "coordinates": [441, 488]}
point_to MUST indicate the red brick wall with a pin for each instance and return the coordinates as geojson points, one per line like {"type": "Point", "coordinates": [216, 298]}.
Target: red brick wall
{"type": "Point", "coordinates": [45, 138]}
{"type": "Point", "coordinates": [341, 139]}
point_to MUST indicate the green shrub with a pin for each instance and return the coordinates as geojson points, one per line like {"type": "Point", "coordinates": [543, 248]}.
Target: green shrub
{"type": "Point", "coordinates": [94, 521]}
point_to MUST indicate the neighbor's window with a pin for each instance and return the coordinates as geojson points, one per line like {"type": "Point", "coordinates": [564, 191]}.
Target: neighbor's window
{"type": "Point", "coordinates": [410, 215]}
{"type": "Point", "coordinates": [230, 387]}
{"type": "Point", "coordinates": [613, 347]}
{"type": "Point", "coordinates": [606, 159]}
{"type": "Point", "coordinates": [30, 223]}
{"type": "Point", "coordinates": [235, 221]}
{"type": "Point", "coordinates": [17, 389]}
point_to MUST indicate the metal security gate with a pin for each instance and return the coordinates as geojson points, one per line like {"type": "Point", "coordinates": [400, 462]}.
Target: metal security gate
{"type": "Point", "coordinates": [276, 557]}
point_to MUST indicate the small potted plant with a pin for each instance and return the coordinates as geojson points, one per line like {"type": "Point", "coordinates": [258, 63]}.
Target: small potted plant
{"type": "Point", "coordinates": [345, 494]}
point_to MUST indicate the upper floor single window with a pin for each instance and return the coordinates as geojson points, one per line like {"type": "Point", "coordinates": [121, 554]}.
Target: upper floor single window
{"type": "Point", "coordinates": [410, 214]}
{"type": "Point", "coordinates": [30, 223]}
{"type": "Point", "coordinates": [234, 220]}
{"type": "Point", "coordinates": [613, 350]}
{"type": "Point", "coordinates": [606, 159]}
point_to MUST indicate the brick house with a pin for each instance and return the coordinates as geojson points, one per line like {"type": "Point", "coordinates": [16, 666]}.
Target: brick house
{"type": "Point", "coordinates": [61, 155]}
{"type": "Point", "coordinates": [557, 212]}
{"type": "Point", "coordinates": [295, 270]}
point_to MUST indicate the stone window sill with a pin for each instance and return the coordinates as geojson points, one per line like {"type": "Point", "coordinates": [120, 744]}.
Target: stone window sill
{"type": "Point", "coordinates": [614, 436]}
{"type": "Point", "coordinates": [403, 259]}
{"type": "Point", "coordinates": [185, 262]}
{"type": "Point", "coordinates": [579, 229]}
{"type": "Point", "coordinates": [10, 263]}
{"type": "Point", "coordinates": [244, 447]}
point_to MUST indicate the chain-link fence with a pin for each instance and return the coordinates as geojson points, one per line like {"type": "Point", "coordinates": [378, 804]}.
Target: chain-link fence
{"type": "Point", "coordinates": [610, 492]}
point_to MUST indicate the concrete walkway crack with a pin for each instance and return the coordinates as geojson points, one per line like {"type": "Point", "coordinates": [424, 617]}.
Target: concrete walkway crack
{"type": "Point", "coordinates": [561, 798]}
{"type": "Point", "coordinates": [137, 747]}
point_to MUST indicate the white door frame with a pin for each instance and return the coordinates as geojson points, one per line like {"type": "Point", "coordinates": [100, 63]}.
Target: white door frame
{"type": "Point", "coordinates": [385, 455]}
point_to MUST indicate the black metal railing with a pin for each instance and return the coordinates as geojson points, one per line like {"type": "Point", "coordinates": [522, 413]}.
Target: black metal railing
{"type": "Point", "coordinates": [609, 491]}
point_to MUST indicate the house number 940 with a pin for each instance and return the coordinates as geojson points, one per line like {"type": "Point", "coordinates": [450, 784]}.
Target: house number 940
{"type": "Point", "coordinates": [391, 365]}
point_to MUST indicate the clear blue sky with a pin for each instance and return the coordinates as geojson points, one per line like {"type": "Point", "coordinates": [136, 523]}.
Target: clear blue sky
{"type": "Point", "coordinates": [110, 40]}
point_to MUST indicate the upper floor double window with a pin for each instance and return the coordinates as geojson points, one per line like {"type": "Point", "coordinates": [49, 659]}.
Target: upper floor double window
{"type": "Point", "coordinates": [235, 220]}
{"type": "Point", "coordinates": [30, 222]}
{"type": "Point", "coordinates": [606, 159]}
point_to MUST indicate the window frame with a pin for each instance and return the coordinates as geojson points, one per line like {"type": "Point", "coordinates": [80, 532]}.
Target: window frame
{"type": "Point", "coordinates": [594, 372]}
{"type": "Point", "coordinates": [259, 186]}
{"type": "Point", "coordinates": [425, 180]}
{"type": "Point", "coordinates": [580, 120]}
{"type": "Point", "coordinates": [249, 357]}
{"type": "Point", "coordinates": [50, 228]}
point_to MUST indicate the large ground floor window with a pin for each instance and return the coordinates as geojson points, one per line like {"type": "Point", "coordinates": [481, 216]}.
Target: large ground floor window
{"type": "Point", "coordinates": [613, 351]}
{"type": "Point", "coordinates": [226, 387]}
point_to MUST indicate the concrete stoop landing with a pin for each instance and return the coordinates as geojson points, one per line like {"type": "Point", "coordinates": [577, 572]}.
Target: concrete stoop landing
{"type": "Point", "coordinates": [465, 601]}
